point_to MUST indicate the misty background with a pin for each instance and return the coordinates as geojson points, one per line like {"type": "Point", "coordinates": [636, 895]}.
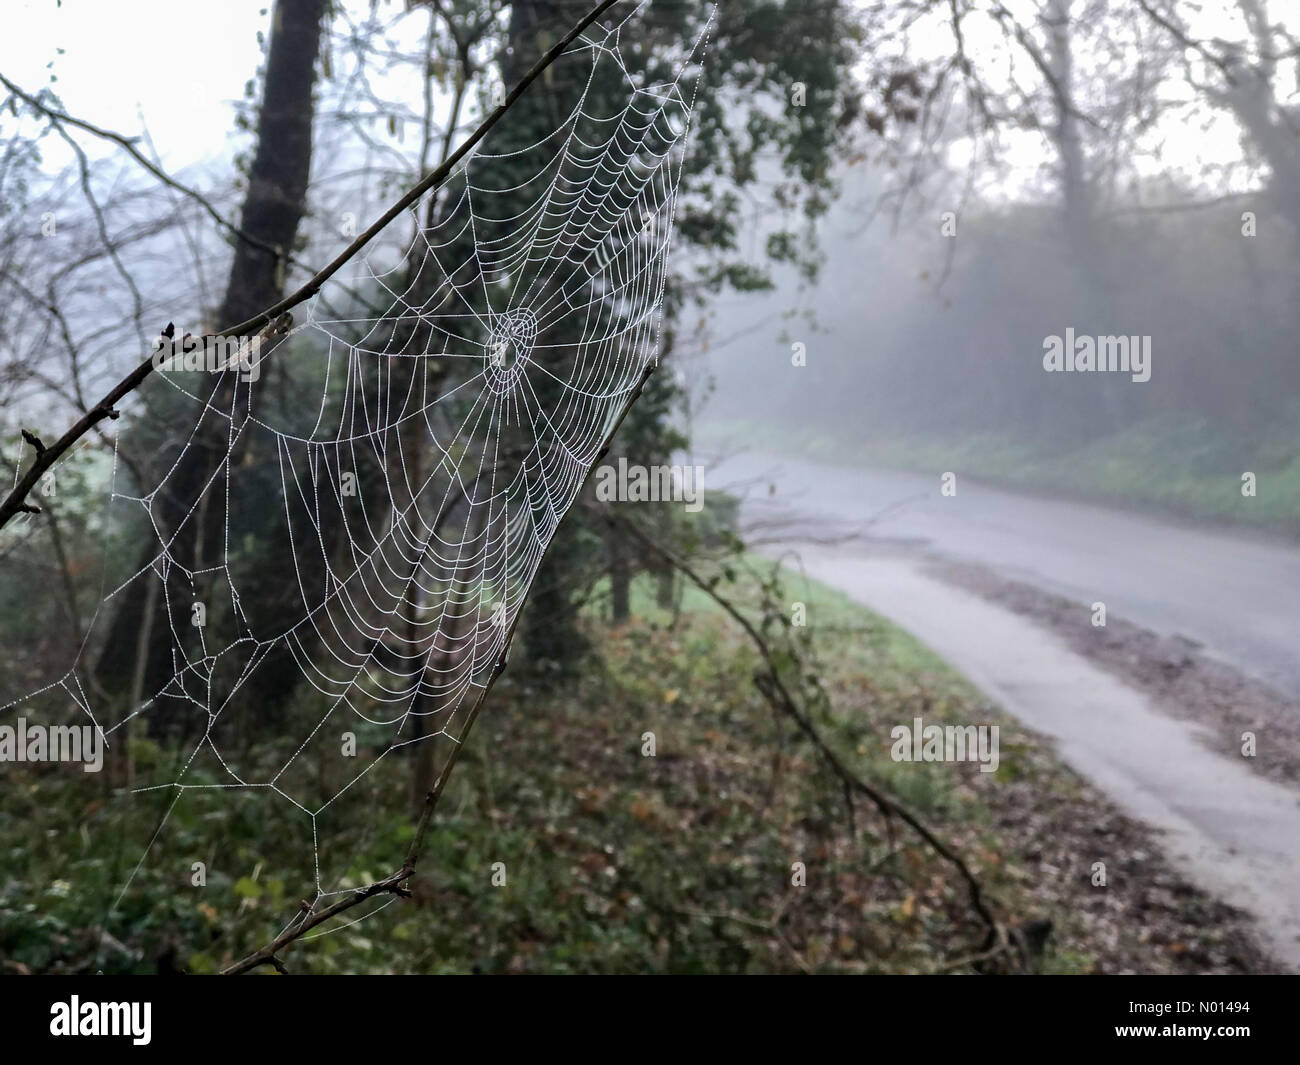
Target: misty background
{"type": "Point", "coordinates": [881, 212]}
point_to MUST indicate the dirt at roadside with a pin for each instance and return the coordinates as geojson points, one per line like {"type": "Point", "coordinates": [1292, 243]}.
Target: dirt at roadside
{"type": "Point", "coordinates": [1176, 673]}
{"type": "Point", "coordinates": [1149, 918]}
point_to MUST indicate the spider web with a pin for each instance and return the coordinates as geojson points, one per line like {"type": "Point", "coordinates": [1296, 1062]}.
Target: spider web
{"type": "Point", "coordinates": [451, 405]}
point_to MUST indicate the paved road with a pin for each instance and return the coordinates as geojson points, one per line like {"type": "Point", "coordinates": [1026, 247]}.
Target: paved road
{"type": "Point", "coordinates": [1231, 831]}
{"type": "Point", "coordinates": [1237, 594]}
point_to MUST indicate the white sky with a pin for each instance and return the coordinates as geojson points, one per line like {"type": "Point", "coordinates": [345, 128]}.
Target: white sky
{"type": "Point", "coordinates": [181, 63]}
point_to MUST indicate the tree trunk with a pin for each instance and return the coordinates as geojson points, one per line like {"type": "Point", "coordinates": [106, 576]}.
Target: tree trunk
{"type": "Point", "coordinates": [620, 576]}
{"type": "Point", "coordinates": [551, 635]}
{"type": "Point", "coordinates": [665, 594]}
{"type": "Point", "coordinates": [273, 207]}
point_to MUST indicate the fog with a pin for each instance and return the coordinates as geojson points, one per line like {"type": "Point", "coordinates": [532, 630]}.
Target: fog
{"type": "Point", "coordinates": [737, 384]}
{"type": "Point", "coordinates": [920, 345]}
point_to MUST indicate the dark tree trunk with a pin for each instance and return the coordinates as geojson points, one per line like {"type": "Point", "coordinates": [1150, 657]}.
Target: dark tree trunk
{"type": "Point", "coordinates": [277, 180]}
{"type": "Point", "coordinates": [620, 576]}
{"type": "Point", "coordinates": [273, 207]}
{"type": "Point", "coordinates": [551, 635]}
{"type": "Point", "coordinates": [666, 590]}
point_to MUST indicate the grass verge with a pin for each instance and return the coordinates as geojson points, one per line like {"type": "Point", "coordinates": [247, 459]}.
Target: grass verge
{"type": "Point", "coordinates": [561, 846]}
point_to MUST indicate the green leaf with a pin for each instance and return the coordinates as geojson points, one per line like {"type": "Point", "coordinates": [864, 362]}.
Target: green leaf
{"type": "Point", "coordinates": [248, 888]}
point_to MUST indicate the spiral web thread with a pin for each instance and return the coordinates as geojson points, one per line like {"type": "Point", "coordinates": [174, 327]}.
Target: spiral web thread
{"type": "Point", "coordinates": [449, 432]}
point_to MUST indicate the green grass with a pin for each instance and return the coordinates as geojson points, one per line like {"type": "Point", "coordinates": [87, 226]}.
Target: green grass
{"type": "Point", "coordinates": [614, 862]}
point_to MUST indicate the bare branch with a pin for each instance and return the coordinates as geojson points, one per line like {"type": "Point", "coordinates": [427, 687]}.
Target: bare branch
{"type": "Point", "coordinates": [774, 689]}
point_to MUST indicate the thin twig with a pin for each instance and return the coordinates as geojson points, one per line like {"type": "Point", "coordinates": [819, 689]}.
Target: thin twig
{"type": "Point", "coordinates": [127, 144]}
{"type": "Point", "coordinates": [774, 689]}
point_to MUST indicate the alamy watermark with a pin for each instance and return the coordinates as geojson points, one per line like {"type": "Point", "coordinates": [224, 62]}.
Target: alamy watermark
{"type": "Point", "coordinates": [1101, 354]}
{"type": "Point", "coordinates": [52, 743]}
{"type": "Point", "coordinates": [78, 1018]}
{"type": "Point", "coordinates": [653, 484]}
{"type": "Point", "coordinates": [213, 354]}
{"type": "Point", "coordinates": [946, 743]}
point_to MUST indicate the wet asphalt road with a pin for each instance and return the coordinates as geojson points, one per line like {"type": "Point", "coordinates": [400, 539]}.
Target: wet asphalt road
{"type": "Point", "coordinates": [1231, 831]}
{"type": "Point", "coordinates": [1234, 592]}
